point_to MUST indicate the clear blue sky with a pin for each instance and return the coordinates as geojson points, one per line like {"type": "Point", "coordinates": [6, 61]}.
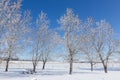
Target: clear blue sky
{"type": "Point", "coordinates": [99, 9]}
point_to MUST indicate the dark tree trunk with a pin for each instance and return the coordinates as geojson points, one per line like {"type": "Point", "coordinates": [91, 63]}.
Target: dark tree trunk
{"type": "Point", "coordinates": [43, 65]}
{"type": "Point", "coordinates": [104, 62]}
{"type": "Point", "coordinates": [105, 69]}
{"type": "Point", "coordinates": [91, 66]}
{"type": "Point", "coordinates": [71, 65]}
{"type": "Point", "coordinates": [105, 66]}
{"type": "Point", "coordinates": [7, 64]}
{"type": "Point", "coordinates": [34, 68]}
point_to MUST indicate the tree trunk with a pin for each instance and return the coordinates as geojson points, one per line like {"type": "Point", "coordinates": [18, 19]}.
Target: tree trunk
{"type": "Point", "coordinates": [105, 66]}
{"type": "Point", "coordinates": [7, 64]}
{"type": "Point", "coordinates": [34, 68]}
{"type": "Point", "coordinates": [43, 65]}
{"type": "Point", "coordinates": [104, 62]}
{"type": "Point", "coordinates": [91, 66]}
{"type": "Point", "coordinates": [105, 69]}
{"type": "Point", "coordinates": [71, 65]}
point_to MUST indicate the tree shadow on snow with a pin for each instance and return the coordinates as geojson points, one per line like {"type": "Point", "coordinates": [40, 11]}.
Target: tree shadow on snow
{"type": "Point", "coordinates": [53, 72]}
{"type": "Point", "coordinates": [101, 69]}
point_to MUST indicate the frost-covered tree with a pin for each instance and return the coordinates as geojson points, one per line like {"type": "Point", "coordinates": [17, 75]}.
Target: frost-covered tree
{"type": "Point", "coordinates": [70, 24]}
{"type": "Point", "coordinates": [48, 45]}
{"type": "Point", "coordinates": [8, 9]}
{"type": "Point", "coordinates": [15, 28]}
{"type": "Point", "coordinates": [86, 45]}
{"type": "Point", "coordinates": [47, 38]}
{"type": "Point", "coordinates": [44, 39]}
{"type": "Point", "coordinates": [103, 42]}
{"type": "Point", "coordinates": [15, 38]}
{"type": "Point", "coordinates": [9, 18]}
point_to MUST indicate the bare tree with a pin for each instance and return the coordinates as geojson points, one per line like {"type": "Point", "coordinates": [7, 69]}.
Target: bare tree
{"type": "Point", "coordinates": [43, 38]}
{"type": "Point", "coordinates": [12, 18]}
{"type": "Point", "coordinates": [15, 30]}
{"type": "Point", "coordinates": [86, 45]}
{"type": "Point", "coordinates": [47, 46]}
{"type": "Point", "coordinates": [103, 42]}
{"type": "Point", "coordinates": [46, 35]}
{"type": "Point", "coordinates": [70, 24]}
{"type": "Point", "coordinates": [8, 9]}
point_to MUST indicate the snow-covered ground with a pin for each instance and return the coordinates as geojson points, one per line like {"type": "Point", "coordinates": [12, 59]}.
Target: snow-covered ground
{"type": "Point", "coordinates": [59, 71]}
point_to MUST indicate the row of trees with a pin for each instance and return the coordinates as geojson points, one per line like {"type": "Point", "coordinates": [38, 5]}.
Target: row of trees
{"type": "Point", "coordinates": [95, 40]}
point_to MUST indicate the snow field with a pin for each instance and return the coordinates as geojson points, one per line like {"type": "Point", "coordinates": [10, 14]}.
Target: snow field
{"type": "Point", "coordinates": [59, 71]}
